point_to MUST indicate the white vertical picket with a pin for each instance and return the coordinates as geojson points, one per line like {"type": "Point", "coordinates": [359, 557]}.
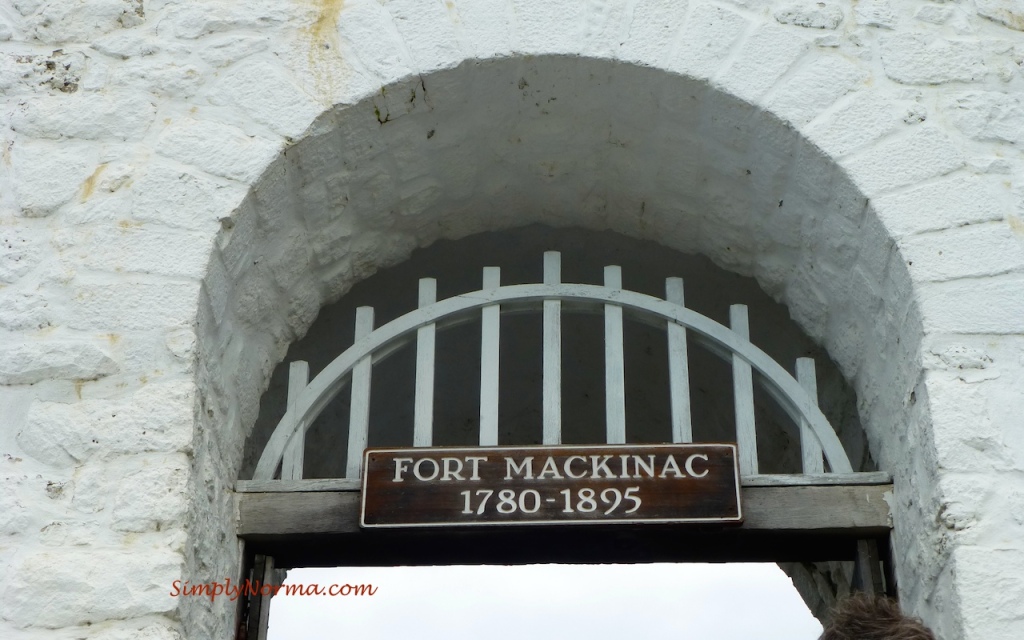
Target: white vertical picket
{"type": "Point", "coordinates": [423, 413]}
{"type": "Point", "coordinates": [552, 411]}
{"type": "Point", "coordinates": [678, 368]}
{"type": "Point", "coordinates": [810, 447]}
{"type": "Point", "coordinates": [291, 463]}
{"type": "Point", "coordinates": [490, 336]}
{"type": "Point", "coordinates": [614, 368]}
{"type": "Point", "coordinates": [743, 394]}
{"type": "Point", "coordinates": [359, 411]}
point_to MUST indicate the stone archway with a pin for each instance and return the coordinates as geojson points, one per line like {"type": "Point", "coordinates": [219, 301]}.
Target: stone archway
{"type": "Point", "coordinates": [882, 216]}
{"type": "Point", "coordinates": [599, 144]}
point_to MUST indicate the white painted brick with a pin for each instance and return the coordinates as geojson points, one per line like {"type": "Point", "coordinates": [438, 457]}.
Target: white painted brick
{"type": "Point", "coordinates": [925, 153]}
{"type": "Point", "coordinates": [427, 30]}
{"type": "Point", "coordinates": [763, 58]}
{"type": "Point", "coordinates": [20, 251]}
{"type": "Point", "coordinates": [707, 37]}
{"type": "Point", "coordinates": [172, 196]}
{"type": "Point", "coordinates": [1009, 13]}
{"type": "Point", "coordinates": [28, 309]}
{"type": "Point", "coordinates": [950, 202]}
{"type": "Point", "coordinates": [482, 27]}
{"type": "Point", "coordinates": [368, 34]}
{"type": "Point", "coordinates": [814, 15]}
{"type": "Point", "coordinates": [133, 248]}
{"type": "Point", "coordinates": [988, 115]}
{"type": "Point", "coordinates": [132, 44]}
{"type": "Point", "coordinates": [157, 418]}
{"type": "Point", "coordinates": [964, 434]}
{"type": "Point", "coordinates": [921, 58]}
{"type": "Point", "coordinates": [264, 91]}
{"type": "Point", "coordinates": [558, 26]}
{"type": "Point", "coordinates": [87, 116]}
{"type": "Point", "coordinates": [815, 87]}
{"type": "Point", "coordinates": [653, 27]}
{"type": "Point", "coordinates": [133, 303]}
{"type": "Point", "coordinates": [864, 118]}
{"type": "Point", "coordinates": [28, 358]}
{"type": "Point", "coordinates": [152, 497]}
{"type": "Point", "coordinates": [875, 13]}
{"type": "Point", "coordinates": [990, 594]}
{"type": "Point", "coordinates": [992, 305]}
{"type": "Point", "coordinates": [48, 174]}
{"type": "Point", "coordinates": [972, 251]}
{"type": "Point", "coordinates": [164, 76]}
{"type": "Point", "coordinates": [50, 590]}
{"type": "Point", "coordinates": [218, 148]}
{"type": "Point", "coordinates": [57, 22]}
{"type": "Point", "coordinates": [222, 50]}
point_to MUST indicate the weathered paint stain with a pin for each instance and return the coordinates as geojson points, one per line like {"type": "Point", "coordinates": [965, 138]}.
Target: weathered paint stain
{"type": "Point", "coordinates": [89, 186]}
{"type": "Point", "coordinates": [1016, 225]}
{"type": "Point", "coordinates": [322, 44]}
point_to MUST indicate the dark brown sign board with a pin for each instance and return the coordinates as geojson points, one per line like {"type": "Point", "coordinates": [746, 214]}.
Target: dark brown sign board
{"type": "Point", "coordinates": [550, 485]}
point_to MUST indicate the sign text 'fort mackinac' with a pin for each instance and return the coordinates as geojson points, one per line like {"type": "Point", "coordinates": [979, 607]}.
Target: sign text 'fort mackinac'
{"type": "Point", "coordinates": [420, 487]}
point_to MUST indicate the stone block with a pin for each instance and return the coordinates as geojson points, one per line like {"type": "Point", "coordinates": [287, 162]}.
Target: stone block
{"type": "Point", "coordinates": [368, 32]}
{"type": "Point", "coordinates": [994, 305]}
{"type": "Point", "coordinates": [953, 201]}
{"type": "Point", "coordinates": [157, 418]}
{"type": "Point", "coordinates": [813, 15]}
{"type": "Point", "coordinates": [653, 28]}
{"type": "Point", "coordinates": [163, 76]}
{"type": "Point", "coordinates": [964, 435]}
{"type": "Point", "coordinates": [865, 117]}
{"type": "Point", "coordinates": [18, 513]}
{"type": "Point", "coordinates": [963, 252]}
{"type": "Point", "coordinates": [225, 49]}
{"type": "Point", "coordinates": [990, 591]}
{"type": "Point", "coordinates": [133, 304]}
{"type": "Point", "coordinates": [173, 196]}
{"type": "Point", "coordinates": [151, 498]}
{"type": "Point", "coordinates": [20, 251]}
{"type": "Point", "coordinates": [428, 32]}
{"type": "Point", "coordinates": [47, 174]}
{"type": "Point", "coordinates": [815, 87]}
{"type": "Point", "coordinates": [100, 116]}
{"type": "Point", "coordinates": [58, 21]}
{"type": "Point", "coordinates": [265, 92]}
{"type": "Point", "coordinates": [28, 358]}
{"type": "Point", "coordinates": [130, 248]}
{"type": "Point", "coordinates": [923, 58]}
{"type": "Point", "coordinates": [706, 39]}
{"type": "Point", "coordinates": [766, 54]}
{"type": "Point", "coordinates": [924, 153]}
{"type": "Point", "coordinates": [1009, 13]}
{"type": "Point", "coordinates": [988, 115]}
{"type": "Point", "coordinates": [551, 27]}
{"type": "Point", "coordinates": [21, 310]}
{"type": "Point", "coordinates": [875, 13]}
{"type": "Point", "coordinates": [485, 31]}
{"type": "Point", "coordinates": [218, 148]}
{"type": "Point", "coordinates": [57, 589]}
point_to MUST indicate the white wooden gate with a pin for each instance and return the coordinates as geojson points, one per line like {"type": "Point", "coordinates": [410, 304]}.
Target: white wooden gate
{"type": "Point", "coordinates": [797, 396]}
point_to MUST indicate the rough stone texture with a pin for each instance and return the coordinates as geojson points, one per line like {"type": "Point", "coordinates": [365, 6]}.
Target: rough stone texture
{"type": "Point", "coordinates": [28, 358]}
{"type": "Point", "coordinates": [183, 183]}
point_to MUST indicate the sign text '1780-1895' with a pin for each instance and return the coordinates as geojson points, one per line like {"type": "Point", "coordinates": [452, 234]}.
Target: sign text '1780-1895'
{"type": "Point", "coordinates": [696, 483]}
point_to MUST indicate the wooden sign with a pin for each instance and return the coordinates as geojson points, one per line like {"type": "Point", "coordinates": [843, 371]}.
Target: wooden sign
{"type": "Point", "coordinates": [442, 487]}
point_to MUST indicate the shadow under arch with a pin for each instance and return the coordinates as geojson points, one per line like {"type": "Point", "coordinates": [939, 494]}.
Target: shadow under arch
{"type": "Point", "coordinates": [561, 141]}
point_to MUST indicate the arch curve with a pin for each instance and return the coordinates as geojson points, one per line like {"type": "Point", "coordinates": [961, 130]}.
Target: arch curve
{"type": "Point", "coordinates": [489, 144]}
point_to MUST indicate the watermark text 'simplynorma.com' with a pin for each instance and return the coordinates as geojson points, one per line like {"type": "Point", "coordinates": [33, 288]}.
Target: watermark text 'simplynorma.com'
{"type": "Point", "coordinates": [233, 591]}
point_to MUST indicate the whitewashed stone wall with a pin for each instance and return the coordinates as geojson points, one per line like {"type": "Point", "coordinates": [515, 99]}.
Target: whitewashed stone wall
{"type": "Point", "coordinates": [183, 183]}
